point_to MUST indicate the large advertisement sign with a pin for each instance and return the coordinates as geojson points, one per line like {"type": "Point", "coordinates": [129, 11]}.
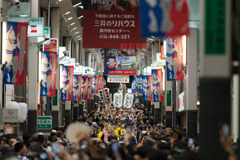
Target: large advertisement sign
{"type": "Point", "coordinates": [15, 54]}
{"type": "Point", "coordinates": [125, 65]}
{"type": "Point", "coordinates": [77, 84]}
{"type": "Point", "coordinates": [48, 73]}
{"type": "Point", "coordinates": [162, 18]}
{"type": "Point", "coordinates": [174, 60]}
{"type": "Point", "coordinates": [112, 24]}
{"type": "Point", "coordinates": [67, 83]}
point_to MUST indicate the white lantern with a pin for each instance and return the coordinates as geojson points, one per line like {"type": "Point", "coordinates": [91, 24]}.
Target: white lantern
{"type": "Point", "coordinates": [22, 112]}
{"type": "Point", "coordinates": [12, 105]}
{"type": "Point", "coordinates": [117, 100]}
{"type": "Point", "coordinates": [128, 100]}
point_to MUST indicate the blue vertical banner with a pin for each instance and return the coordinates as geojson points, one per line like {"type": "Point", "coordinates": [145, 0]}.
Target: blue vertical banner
{"type": "Point", "coordinates": [140, 84]}
{"type": "Point", "coordinates": [145, 87]}
{"type": "Point", "coordinates": [134, 87]}
{"type": "Point", "coordinates": [136, 81]}
{"type": "Point", "coordinates": [155, 84]}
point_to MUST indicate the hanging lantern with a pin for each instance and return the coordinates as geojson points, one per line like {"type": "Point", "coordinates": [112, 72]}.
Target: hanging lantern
{"type": "Point", "coordinates": [117, 100]}
{"type": "Point", "coordinates": [128, 100]}
{"type": "Point", "coordinates": [22, 112]}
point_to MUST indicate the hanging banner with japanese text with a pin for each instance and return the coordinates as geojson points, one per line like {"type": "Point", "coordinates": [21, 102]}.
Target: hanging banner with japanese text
{"type": "Point", "coordinates": [174, 61]}
{"type": "Point", "coordinates": [160, 84]}
{"type": "Point", "coordinates": [112, 24]}
{"type": "Point", "coordinates": [162, 18]}
{"type": "Point", "coordinates": [15, 53]}
{"type": "Point", "coordinates": [94, 85]}
{"type": "Point", "coordinates": [77, 84]}
{"type": "Point", "coordinates": [145, 87]}
{"type": "Point", "coordinates": [134, 87]}
{"type": "Point", "coordinates": [120, 65]}
{"type": "Point", "coordinates": [155, 84]}
{"type": "Point", "coordinates": [90, 95]}
{"type": "Point", "coordinates": [137, 83]}
{"type": "Point", "coordinates": [48, 72]}
{"type": "Point", "coordinates": [98, 84]}
{"type": "Point", "coordinates": [140, 84]}
{"type": "Point", "coordinates": [67, 83]}
{"type": "Point", "coordinates": [150, 88]}
{"type": "Point", "coordinates": [85, 88]}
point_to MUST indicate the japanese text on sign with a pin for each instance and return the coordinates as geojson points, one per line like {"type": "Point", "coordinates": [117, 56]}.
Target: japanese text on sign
{"type": "Point", "coordinates": [101, 2]}
{"type": "Point", "coordinates": [115, 23]}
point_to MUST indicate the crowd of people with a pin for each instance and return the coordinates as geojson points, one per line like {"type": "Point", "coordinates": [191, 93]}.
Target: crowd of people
{"type": "Point", "coordinates": [114, 135]}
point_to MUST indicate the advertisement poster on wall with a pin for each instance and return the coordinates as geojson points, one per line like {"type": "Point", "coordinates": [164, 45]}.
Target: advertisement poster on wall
{"type": "Point", "coordinates": [112, 24]}
{"type": "Point", "coordinates": [125, 65]}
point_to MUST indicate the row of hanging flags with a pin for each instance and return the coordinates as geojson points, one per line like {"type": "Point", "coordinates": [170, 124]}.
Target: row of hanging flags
{"type": "Point", "coordinates": [150, 86]}
{"type": "Point", "coordinates": [76, 87]}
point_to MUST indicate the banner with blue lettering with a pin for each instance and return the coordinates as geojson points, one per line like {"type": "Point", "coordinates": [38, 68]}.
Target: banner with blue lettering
{"type": "Point", "coordinates": [67, 83]}
{"type": "Point", "coordinates": [140, 83]}
{"type": "Point", "coordinates": [15, 53]}
{"type": "Point", "coordinates": [145, 87]}
{"type": "Point", "coordinates": [48, 72]}
{"type": "Point", "coordinates": [134, 87]}
{"type": "Point", "coordinates": [155, 85]}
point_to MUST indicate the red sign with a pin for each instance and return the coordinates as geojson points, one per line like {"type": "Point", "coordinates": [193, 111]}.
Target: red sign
{"type": "Point", "coordinates": [33, 29]}
{"type": "Point", "coordinates": [123, 72]}
{"type": "Point", "coordinates": [109, 29]}
{"type": "Point", "coordinates": [52, 46]}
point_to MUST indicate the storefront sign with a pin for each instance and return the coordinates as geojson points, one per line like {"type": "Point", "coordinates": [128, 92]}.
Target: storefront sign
{"type": "Point", "coordinates": [10, 115]}
{"type": "Point", "coordinates": [164, 18]}
{"type": "Point", "coordinates": [8, 130]}
{"type": "Point", "coordinates": [214, 29]}
{"type": "Point", "coordinates": [118, 79]}
{"type": "Point", "coordinates": [35, 27]}
{"type": "Point", "coordinates": [53, 46]}
{"type": "Point", "coordinates": [22, 9]}
{"type": "Point", "coordinates": [46, 30]}
{"type": "Point", "coordinates": [112, 25]}
{"type": "Point", "coordinates": [44, 122]}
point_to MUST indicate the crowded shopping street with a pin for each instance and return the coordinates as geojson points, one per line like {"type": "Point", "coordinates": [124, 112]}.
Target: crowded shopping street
{"type": "Point", "coordinates": [119, 80]}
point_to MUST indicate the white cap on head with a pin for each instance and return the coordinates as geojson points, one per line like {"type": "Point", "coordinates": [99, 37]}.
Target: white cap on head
{"type": "Point", "coordinates": [54, 131]}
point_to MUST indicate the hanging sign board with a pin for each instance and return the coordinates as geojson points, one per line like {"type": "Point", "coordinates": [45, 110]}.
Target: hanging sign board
{"type": "Point", "coordinates": [53, 46]}
{"type": "Point", "coordinates": [35, 27]}
{"type": "Point", "coordinates": [118, 79]}
{"type": "Point", "coordinates": [15, 11]}
{"type": "Point", "coordinates": [10, 115]}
